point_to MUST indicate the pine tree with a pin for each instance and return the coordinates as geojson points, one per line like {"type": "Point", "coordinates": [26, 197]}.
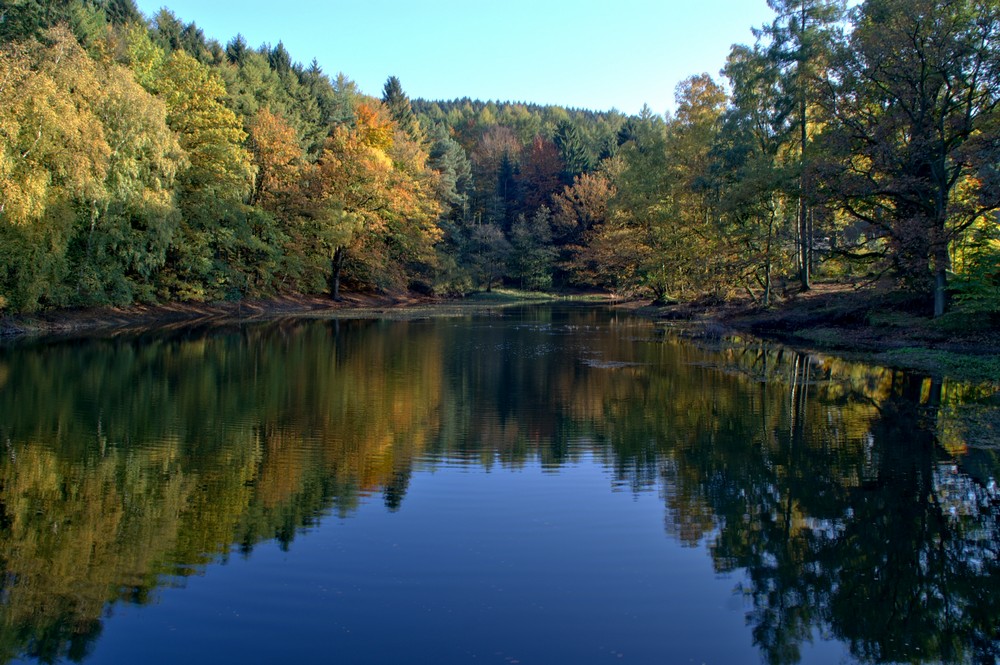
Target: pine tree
{"type": "Point", "coordinates": [236, 50]}
{"type": "Point", "coordinates": [400, 109]}
{"type": "Point", "coordinates": [532, 253]}
{"type": "Point", "coordinates": [280, 59]}
{"type": "Point", "coordinates": [122, 12]}
{"type": "Point", "coordinates": [573, 151]}
{"type": "Point", "coordinates": [802, 36]}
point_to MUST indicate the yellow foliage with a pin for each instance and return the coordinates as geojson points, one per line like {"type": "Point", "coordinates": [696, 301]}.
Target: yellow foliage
{"type": "Point", "coordinates": [52, 145]}
{"type": "Point", "coordinates": [209, 132]}
{"type": "Point", "coordinates": [277, 157]}
{"type": "Point", "coordinates": [374, 127]}
{"type": "Point", "coordinates": [143, 57]}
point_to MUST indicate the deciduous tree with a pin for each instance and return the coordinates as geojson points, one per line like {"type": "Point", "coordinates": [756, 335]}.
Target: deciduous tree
{"type": "Point", "coordinates": [277, 158]}
{"type": "Point", "coordinates": [915, 145]}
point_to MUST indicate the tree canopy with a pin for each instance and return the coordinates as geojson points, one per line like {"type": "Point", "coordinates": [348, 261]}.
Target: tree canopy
{"type": "Point", "coordinates": [142, 162]}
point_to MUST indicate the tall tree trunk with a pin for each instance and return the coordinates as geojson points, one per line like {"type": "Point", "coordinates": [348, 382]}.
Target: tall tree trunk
{"type": "Point", "coordinates": [811, 247]}
{"type": "Point", "coordinates": [805, 238]}
{"type": "Point", "coordinates": [942, 263]}
{"type": "Point", "coordinates": [942, 258]}
{"type": "Point", "coordinates": [337, 265]}
{"type": "Point", "coordinates": [804, 254]}
{"type": "Point", "coordinates": [767, 259]}
{"type": "Point", "coordinates": [767, 282]}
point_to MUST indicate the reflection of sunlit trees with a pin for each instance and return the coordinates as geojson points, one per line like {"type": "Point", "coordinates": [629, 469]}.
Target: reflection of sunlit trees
{"type": "Point", "coordinates": [845, 530]}
{"type": "Point", "coordinates": [76, 534]}
{"type": "Point", "coordinates": [824, 480]}
{"type": "Point", "coordinates": [154, 458]}
{"type": "Point", "coordinates": [918, 568]}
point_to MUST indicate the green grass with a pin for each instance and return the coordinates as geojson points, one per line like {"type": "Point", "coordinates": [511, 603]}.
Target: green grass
{"type": "Point", "coordinates": [895, 319]}
{"type": "Point", "coordinates": [823, 336]}
{"type": "Point", "coordinates": [960, 366]}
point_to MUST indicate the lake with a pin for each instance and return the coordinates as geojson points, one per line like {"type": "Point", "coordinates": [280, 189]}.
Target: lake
{"type": "Point", "coordinates": [534, 484]}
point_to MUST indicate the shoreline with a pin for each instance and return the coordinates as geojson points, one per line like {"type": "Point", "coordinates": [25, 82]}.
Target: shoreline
{"type": "Point", "coordinates": [149, 317]}
{"type": "Point", "coordinates": [118, 320]}
{"type": "Point", "coordinates": [831, 320]}
{"type": "Point", "coordinates": [861, 324]}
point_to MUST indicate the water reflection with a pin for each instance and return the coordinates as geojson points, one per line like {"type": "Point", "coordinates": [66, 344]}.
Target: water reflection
{"type": "Point", "coordinates": [855, 498]}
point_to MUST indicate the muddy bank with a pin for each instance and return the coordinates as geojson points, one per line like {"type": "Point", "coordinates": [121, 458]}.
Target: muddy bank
{"type": "Point", "coordinates": [78, 321]}
{"type": "Point", "coordinates": [111, 320]}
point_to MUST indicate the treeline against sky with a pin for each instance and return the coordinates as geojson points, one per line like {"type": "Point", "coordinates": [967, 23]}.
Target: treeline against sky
{"type": "Point", "coordinates": [142, 162]}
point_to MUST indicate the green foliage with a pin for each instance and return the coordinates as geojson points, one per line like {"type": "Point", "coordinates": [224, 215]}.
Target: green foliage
{"type": "Point", "coordinates": [217, 177]}
{"type": "Point", "coordinates": [486, 252]}
{"type": "Point", "coordinates": [532, 256]}
{"type": "Point", "coordinates": [400, 110]}
{"type": "Point", "coordinates": [34, 269]}
{"type": "Point", "coordinates": [447, 157]}
{"type": "Point", "coordinates": [696, 257]}
{"type": "Point", "coordinates": [125, 244]}
{"type": "Point", "coordinates": [572, 150]}
{"type": "Point", "coordinates": [27, 19]}
{"type": "Point", "coordinates": [89, 202]}
{"type": "Point", "coordinates": [977, 291]}
{"type": "Point", "coordinates": [756, 175]}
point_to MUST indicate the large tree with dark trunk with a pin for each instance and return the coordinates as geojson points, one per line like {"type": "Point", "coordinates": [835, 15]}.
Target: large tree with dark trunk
{"type": "Point", "coordinates": [914, 146]}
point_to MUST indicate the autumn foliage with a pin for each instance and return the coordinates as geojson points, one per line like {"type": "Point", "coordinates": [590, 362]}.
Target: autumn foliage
{"type": "Point", "coordinates": [142, 162]}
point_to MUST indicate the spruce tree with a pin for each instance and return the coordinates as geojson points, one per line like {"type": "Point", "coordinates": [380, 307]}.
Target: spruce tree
{"type": "Point", "coordinates": [572, 150]}
{"type": "Point", "coordinates": [802, 35]}
{"type": "Point", "coordinates": [400, 109]}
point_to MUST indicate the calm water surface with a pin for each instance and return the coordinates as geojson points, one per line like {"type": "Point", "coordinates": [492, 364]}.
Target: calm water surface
{"type": "Point", "coordinates": [531, 485]}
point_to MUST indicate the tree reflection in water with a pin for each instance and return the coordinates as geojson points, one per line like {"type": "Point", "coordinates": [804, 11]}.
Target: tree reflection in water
{"type": "Point", "coordinates": [845, 492]}
{"type": "Point", "coordinates": [873, 535]}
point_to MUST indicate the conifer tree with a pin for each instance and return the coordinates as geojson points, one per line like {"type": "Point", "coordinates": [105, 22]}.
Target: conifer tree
{"type": "Point", "coordinates": [802, 36]}
{"type": "Point", "coordinates": [573, 151]}
{"type": "Point", "coordinates": [400, 109]}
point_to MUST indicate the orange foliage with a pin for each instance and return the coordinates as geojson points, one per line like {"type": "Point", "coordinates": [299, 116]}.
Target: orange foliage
{"type": "Point", "coordinates": [276, 154]}
{"type": "Point", "coordinates": [374, 127]}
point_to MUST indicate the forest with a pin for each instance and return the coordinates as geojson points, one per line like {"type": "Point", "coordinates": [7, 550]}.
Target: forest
{"type": "Point", "coordinates": [142, 162]}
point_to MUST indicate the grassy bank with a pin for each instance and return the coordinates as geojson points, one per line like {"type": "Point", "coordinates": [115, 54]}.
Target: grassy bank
{"type": "Point", "coordinates": [882, 325]}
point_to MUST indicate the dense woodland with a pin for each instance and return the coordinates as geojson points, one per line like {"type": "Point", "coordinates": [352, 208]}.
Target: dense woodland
{"type": "Point", "coordinates": [142, 162]}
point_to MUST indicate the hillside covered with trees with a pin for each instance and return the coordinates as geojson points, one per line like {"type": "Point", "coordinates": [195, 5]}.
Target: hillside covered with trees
{"type": "Point", "coordinates": [141, 162]}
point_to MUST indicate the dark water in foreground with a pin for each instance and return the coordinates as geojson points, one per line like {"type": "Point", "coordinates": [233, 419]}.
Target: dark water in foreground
{"type": "Point", "coordinates": [537, 485]}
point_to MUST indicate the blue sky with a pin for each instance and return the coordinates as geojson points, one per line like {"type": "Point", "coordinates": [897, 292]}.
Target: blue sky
{"type": "Point", "coordinates": [585, 54]}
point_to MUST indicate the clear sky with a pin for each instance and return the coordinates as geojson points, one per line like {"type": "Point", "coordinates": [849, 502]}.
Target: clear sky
{"type": "Point", "coordinates": [580, 53]}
